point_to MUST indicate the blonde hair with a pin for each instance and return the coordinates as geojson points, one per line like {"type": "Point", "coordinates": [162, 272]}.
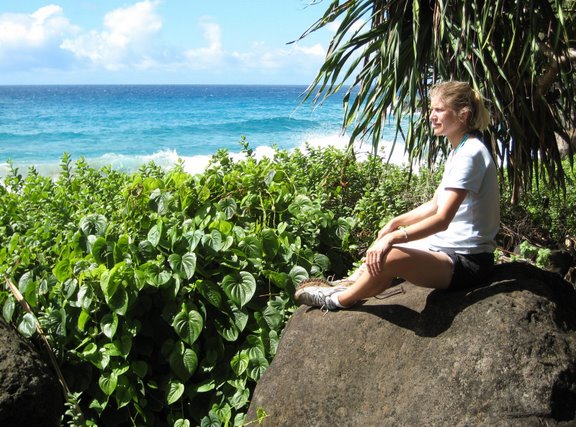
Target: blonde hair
{"type": "Point", "coordinates": [462, 98]}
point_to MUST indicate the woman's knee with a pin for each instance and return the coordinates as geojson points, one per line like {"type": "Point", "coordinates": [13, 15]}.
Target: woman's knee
{"type": "Point", "coordinates": [396, 259]}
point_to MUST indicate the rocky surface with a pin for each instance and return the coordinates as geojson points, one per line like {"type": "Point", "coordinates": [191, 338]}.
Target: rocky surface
{"type": "Point", "coordinates": [30, 394]}
{"type": "Point", "coordinates": [500, 355]}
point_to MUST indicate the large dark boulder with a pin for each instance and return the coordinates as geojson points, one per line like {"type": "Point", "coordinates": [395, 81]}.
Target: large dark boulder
{"type": "Point", "coordinates": [30, 394]}
{"type": "Point", "coordinates": [500, 355]}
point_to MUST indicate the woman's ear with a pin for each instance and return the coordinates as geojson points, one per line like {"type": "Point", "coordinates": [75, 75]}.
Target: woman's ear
{"type": "Point", "coordinates": [464, 116]}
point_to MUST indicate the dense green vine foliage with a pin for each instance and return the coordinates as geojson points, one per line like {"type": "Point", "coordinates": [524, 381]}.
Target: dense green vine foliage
{"type": "Point", "coordinates": [163, 294]}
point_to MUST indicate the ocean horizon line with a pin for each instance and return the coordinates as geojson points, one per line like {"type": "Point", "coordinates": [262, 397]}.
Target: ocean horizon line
{"type": "Point", "coordinates": [161, 84]}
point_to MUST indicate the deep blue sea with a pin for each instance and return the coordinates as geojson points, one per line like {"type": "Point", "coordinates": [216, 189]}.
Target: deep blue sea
{"type": "Point", "coordinates": [126, 126]}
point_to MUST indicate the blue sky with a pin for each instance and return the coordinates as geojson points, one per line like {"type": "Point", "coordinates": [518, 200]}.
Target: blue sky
{"type": "Point", "coordinates": [160, 41]}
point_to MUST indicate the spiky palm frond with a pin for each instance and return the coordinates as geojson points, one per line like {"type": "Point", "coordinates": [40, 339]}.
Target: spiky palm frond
{"type": "Point", "coordinates": [519, 53]}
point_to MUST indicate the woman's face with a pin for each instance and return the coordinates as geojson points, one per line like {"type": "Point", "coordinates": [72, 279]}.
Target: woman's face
{"type": "Point", "coordinates": [444, 120]}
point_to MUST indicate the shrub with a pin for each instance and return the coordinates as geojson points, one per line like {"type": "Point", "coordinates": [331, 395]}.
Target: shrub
{"type": "Point", "coordinates": [164, 294]}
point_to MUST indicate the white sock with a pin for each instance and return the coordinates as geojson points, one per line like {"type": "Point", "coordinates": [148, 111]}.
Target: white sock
{"type": "Point", "coordinates": [335, 300]}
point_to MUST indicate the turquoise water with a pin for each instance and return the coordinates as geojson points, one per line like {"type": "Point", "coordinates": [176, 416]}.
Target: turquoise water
{"type": "Point", "coordinates": [126, 126]}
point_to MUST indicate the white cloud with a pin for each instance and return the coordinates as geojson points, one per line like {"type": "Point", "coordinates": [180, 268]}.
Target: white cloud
{"type": "Point", "coordinates": [316, 50]}
{"type": "Point", "coordinates": [32, 40]}
{"type": "Point", "coordinates": [127, 38]}
{"type": "Point", "coordinates": [208, 56]}
{"type": "Point", "coordinates": [258, 58]}
{"type": "Point", "coordinates": [333, 26]}
{"type": "Point", "coordinates": [35, 30]}
{"type": "Point", "coordinates": [356, 26]}
{"type": "Point", "coordinates": [296, 56]}
{"type": "Point", "coordinates": [130, 39]}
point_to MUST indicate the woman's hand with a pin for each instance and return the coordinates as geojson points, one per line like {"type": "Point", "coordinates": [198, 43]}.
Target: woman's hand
{"type": "Point", "coordinates": [385, 230]}
{"type": "Point", "coordinates": [376, 253]}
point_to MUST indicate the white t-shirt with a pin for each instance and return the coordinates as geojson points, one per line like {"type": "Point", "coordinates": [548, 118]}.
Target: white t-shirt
{"type": "Point", "coordinates": [477, 221]}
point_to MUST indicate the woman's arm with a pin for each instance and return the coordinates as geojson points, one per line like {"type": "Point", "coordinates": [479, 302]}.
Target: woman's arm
{"type": "Point", "coordinates": [432, 221]}
{"type": "Point", "coordinates": [439, 220]}
{"type": "Point", "coordinates": [417, 214]}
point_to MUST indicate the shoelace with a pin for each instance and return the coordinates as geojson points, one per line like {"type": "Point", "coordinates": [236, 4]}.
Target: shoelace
{"type": "Point", "coordinates": [324, 309]}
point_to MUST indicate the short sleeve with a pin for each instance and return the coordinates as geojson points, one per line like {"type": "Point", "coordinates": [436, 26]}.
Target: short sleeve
{"type": "Point", "coordinates": [467, 168]}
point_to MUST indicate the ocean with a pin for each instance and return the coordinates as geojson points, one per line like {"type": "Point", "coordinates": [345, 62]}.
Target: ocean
{"type": "Point", "coordinates": [125, 126]}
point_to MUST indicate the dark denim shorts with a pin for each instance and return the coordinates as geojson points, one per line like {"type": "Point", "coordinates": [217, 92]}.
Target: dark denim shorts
{"type": "Point", "coordinates": [470, 270]}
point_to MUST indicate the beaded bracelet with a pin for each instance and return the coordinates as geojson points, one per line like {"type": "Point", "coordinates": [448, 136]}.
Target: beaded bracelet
{"type": "Point", "coordinates": [405, 232]}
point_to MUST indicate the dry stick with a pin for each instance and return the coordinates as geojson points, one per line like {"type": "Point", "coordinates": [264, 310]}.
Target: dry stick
{"type": "Point", "coordinates": [20, 298]}
{"type": "Point", "coordinates": [391, 291]}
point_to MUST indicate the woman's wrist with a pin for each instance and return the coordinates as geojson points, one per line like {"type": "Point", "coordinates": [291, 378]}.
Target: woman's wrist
{"type": "Point", "coordinates": [393, 225]}
{"type": "Point", "coordinates": [404, 237]}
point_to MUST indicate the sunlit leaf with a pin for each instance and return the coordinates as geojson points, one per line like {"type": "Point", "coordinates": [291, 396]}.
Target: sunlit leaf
{"type": "Point", "coordinates": [213, 240]}
{"type": "Point", "coordinates": [184, 265]}
{"type": "Point", "coordinates": [109, 282]}
{"type": "Point", "coordinates": [155, 234]}
{"type": "Point", "coordinates": [25, 281]}
{"type": "Point", "coordinates": [240, 287]}
{"type": "Point", "coordinates": [156, 275]}
{"type": "Point", "coordinates": [193, 238]}
{"type": "Point", "coordinates": [62, 270]}
{"type": "Point", "coordinates": [212, 420]}
{"type": "Point", "coordinates": [297, 274]}
{"type": "Point", "coordinates": [94, 224]}
{"type": "Point", "coordinates": [85, 296]}
{"type": "Point", "coordinates": [175, 391]}
{"type": "Point", "coordinates": [226, 328]}
{"type": "Point", "coordinates": [162, 200]}
{"type": "Point", "coordinates": [240, 398]}
{"type": "Point", "coordinates": [109, 324]}
{"type": "Point", "coordinates": [322, 262]}
{"type": "Point", "coordinates": [228, 206]}
{"type": "Point", "coordinates": [251, 246]}
{"type": "Point", "coordinates": [279, 279]}
{"type": "Point", "coordinates": [240, 318]}
{"type": "Point", "coordinates": [188, 325]}
{"type": "Point", "coordinates": [108, 382]}
{"type": "Point", "coordinates": [8, 309]}
{"type": "Point", "coordinates": [273, 317]}
{"type": "Point", "coordinates": [121, 247]}
{"type": "Point", "coordinates": [27, 325]}
{"type": "Point", "coordinates": [222, 226]}
{"type": "Point", "coordinates": [344, 228]}
{"type": "Point", "coordinates": [181, 422]}
{"type": "Point", "coordinates": [239, 363]}
{"type": "Point", "coordinates": [205, 386]}
{"type": "Point", "coordinates": [270, 242]}
{"type": "Point", "coordinates": [257, 367]}
{"type": "Point", "coordinates": [300, 205]}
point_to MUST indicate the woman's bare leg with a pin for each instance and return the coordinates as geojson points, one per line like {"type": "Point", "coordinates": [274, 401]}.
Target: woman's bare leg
{"type": "Point", "coordinates": [420, 267]}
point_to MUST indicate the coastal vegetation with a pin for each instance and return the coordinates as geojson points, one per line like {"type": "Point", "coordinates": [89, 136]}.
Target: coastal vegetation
{"type": "Point", "coordinates": [163, 295]}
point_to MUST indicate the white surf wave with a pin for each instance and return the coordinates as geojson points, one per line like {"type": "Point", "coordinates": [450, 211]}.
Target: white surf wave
{"type": "Point", "coordinates": [167, 159]}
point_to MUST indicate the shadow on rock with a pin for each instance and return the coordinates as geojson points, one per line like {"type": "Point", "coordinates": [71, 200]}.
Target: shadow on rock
{"type": "Point", "coordinates": [443, 306]}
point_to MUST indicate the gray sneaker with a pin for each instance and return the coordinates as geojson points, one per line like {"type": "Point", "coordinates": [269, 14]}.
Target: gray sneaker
{"type": "Point", "coordinates": [342, 282]}
{"type": "Point", "coordinates": [317, 296]}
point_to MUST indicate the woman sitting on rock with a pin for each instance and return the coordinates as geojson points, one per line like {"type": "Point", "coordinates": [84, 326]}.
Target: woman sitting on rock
{"type": "Point", "coordinates": [452, 235]}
